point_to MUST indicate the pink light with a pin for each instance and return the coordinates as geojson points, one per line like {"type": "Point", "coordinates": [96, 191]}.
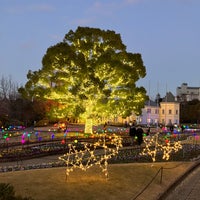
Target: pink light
{"type": "Point", "coordinates": [22, 141]}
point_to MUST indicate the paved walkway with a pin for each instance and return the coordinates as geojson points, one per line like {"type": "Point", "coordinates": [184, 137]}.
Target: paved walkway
{"type": "Point", "coordinates": [186, 189]}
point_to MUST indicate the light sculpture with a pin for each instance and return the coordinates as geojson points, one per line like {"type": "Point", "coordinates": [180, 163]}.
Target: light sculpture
{"type": "Point", "coordinates": [91, 154]}
{"type": "Point", "coordinates": [153, 146]}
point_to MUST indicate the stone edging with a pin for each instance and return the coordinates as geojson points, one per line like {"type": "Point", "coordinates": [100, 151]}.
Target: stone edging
{"type": "Point", "coordinates": [178, 180]}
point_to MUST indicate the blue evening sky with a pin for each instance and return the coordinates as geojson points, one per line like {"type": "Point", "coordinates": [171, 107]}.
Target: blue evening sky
{"type": "Point", "coordinates": [165, 32]}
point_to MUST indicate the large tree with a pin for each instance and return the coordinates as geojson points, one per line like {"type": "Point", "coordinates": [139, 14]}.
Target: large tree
{"type": "Point", "coordinates": [91, 75]}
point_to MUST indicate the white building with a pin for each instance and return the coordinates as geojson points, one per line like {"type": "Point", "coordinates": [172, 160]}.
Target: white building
{"type": "Point", "coordinates": [169, 112]}
{"type": "Point", "coordinates": [150, 114]}
{"type": "Point", "coordinates": [185, 93]}
{"type": "Point", "coordinates": [166, 112]}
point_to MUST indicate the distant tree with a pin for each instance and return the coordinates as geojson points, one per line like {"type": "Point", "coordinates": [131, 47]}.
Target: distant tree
{"type": "Point", "coordinates": [5, 108]}
{"type": "Point", "coordinates": [8, 93]}
{"type": "Point", "coordinates": [8, 88]}
{"type": "Point", "coordinates": [190, 111]}
{"type": "Point", "coordinates": [28, 111]}
{"type": "Point", "coordinates": [90, 75]}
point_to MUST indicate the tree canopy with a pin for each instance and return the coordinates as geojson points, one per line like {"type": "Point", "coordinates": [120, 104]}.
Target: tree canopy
{"type": "Point", "coordinates": [91, 75]}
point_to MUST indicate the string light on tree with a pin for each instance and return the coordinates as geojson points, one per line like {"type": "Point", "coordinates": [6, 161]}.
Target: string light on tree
{"type": "Point", "coordinates": [88, 84]}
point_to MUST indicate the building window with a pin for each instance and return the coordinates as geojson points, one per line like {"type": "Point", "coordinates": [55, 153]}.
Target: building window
{"type": "Point", "coordinates": [170, 112]}
{"type": "Point", "coordinates": [156, 111]}
{"type": "Point", "coordinates": [148, 110]}
{"type": "Point", "coordinates": [163, 111]}
{"type": "Point", "coordinates": [176, 112]}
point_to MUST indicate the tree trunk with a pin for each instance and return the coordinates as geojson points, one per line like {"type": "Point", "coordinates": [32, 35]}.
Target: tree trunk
{"type": "Point", "coordinates": [88, 117]}
{"type": "Point", "coordinates": [88, 126]}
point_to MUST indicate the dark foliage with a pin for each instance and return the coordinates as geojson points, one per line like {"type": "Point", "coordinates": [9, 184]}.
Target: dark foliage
{"type": "Point", "coordinates": [190, 112]}
{"type": "Point", "coordinates": [7, 192]}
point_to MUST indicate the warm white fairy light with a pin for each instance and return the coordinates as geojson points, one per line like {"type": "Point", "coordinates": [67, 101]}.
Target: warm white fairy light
{"type": "Point", "coordinates": [152, 146]}
{"type": "Point", "coordinates": [149, 146]}
{"type": "Point", "coordinates": [168, 149]}
{"type": "Point", "coordinates": [92, 154]}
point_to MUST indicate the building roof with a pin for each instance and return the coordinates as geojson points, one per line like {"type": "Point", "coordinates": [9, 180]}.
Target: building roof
{"type": "Point", "coordinates": [151, 103]}
{"type": "Point", "coordinates": [169, 97]}
{"type": "Point", "coordinates": [189, 88]}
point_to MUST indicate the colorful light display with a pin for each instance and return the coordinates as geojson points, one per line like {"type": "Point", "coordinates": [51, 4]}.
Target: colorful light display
{"type": "Point", "coordinates": [92, 154]}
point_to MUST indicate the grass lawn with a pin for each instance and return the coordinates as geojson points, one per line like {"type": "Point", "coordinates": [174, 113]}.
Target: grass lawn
{"type": "Point", "coordinates": [125, 181]}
